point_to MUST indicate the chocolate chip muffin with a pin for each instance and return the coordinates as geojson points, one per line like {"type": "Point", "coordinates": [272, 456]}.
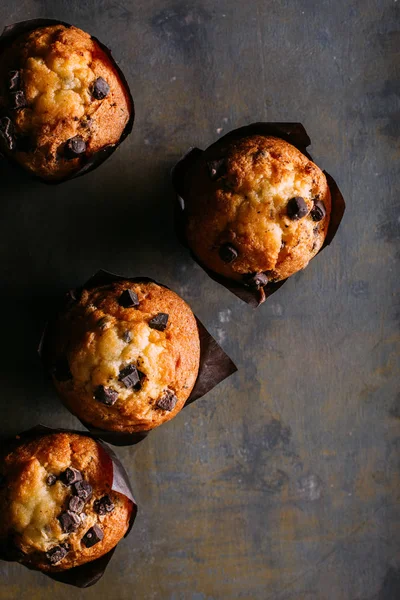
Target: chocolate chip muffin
{"type": "Point", "coordinates": [57, 508]}
{"type": "Point", "coordinates": [62, 100]}
{"type": "Point", "coordinates": [257, 209]}
{"type": "Point", "coordinates": [125, 356]}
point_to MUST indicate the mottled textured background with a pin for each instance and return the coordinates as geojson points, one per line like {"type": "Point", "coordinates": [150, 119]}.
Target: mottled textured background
{"type": "Point", "coordinates": [283, 483]}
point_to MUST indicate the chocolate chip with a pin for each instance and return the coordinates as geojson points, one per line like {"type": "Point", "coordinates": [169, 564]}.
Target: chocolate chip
{"type": "Point", "coordinates": [128, 299]}
{"type": "Point", "coordinates": [7, 132]}
{"type": "Point", "coordinates": [14, 80]}
{"type": "Point", "coordinates": [167, 401]}
{"type": "Point", "coordinates": [61, 370]}
{"type": "Point", "coordinates": [74, 147]}
{"type": "Point", "coordinates": [318, 211]}
{"type": "Point", "coordinates": [54, 555]}
{"type": "Point", "coordinates": [106, 395]}
{"type": "Point", "coordinates": [129, 376]}
{"type": "Point", "coordinates": [83, 490]}
{"type": "Point", "coordinates": [70, 476]}
{"type": "Point", "coordinates": [159, 322]}
{"type": "Point", "coordinates": [228, 253]}
{"type": "Point", "coordinates": [138, 386]}
{"type": "Point", "coordinates": [76, 504]}
{"type": "Point", "coordinates": [18, 100]}
{"type": "Point", "coordinates": [256, 280]}
{"type": "Point", "coordinates": [93, 536]}
{"type": "Point", "coordinates": [51, 479]}
{"type": "Point", "coordinates": [69, 521]}
{"type": "Point", "coordinates": [127, 336]}
{"type": "Point", "coordinates": [216, 168]}
{"type": "Point", "coordinates": [297, 208]}
{"type": "Point", "coordinates": [104, 505]}
{"type": "Point", "coordinates": [100, 89]}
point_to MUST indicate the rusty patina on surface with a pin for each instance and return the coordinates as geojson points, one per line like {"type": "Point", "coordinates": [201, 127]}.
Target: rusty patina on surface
{"type": "Point", "coordinates": [283, 483]}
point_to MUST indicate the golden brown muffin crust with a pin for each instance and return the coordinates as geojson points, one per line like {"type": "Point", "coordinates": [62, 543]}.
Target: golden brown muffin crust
{"type": "Point", "coordinates": [57, 68]}
{"type": "Point", "coordinates": [100, 338]}
{"type": "Point", "coordinates": [244, 204]}
{"type": "Point", "coordinates": [31, 507]}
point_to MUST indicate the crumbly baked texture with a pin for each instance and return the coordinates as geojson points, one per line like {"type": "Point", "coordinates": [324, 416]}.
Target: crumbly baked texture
{"type": "Point", "coordinates": [36, 492]}
{"type": "Point", "coordinates": [125, 356]}
{"type": "Point", "coordinates": [256, 205]}
{"type": "Point", "coordinates": [61, 100]}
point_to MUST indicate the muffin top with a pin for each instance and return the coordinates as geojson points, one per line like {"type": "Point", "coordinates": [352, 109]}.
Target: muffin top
{"type": "Point", "coordinates": [125, 356]}
{"type": "Point", "coordinates": [257, 209]}
{"type": "Point", "coordinates": [57, 509]}
{"type": "Point", "coordinates": [61, 100]}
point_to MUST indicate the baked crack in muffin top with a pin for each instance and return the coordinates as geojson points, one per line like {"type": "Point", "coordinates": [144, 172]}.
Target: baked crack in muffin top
{"type": "Point", "coordinates": [125, 356]}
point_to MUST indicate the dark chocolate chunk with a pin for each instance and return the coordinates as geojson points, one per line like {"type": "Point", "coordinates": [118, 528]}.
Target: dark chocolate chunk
{"type": "Point", "coordinates": [18, 100]}
{"type": "Point", "coordinates": [129, 376]}
{"type": "Point", "coordinates": [71, 476]}
{"type": "Point", "coordinates": [93, 536]}
{"type": "Point", "coordinates": [76, 504]}
{"type": "Point", "coordinates": [14, 80]}
{"type": "Point", "coordinates": [51, 479]}
{"type": "Point", "coordinates": [216, 168]}
{"type": "Point", "coordinates": [256, 280]}
{"type": "Point", "coordinates": [128, 299]}
{"type": "Point", "coordinates": [100, 89]}
{"type": "Point", "coordinates": [228, 253]}
{"type": "Point", "coordinates": [69, 521]}
{"type": "Point", "coordinates": [7, 132]}
{"type": "Point", "coordinates": [83, 490]}
{"type": "Point", "coordinates": [74, 147]}
{"type": "Point", "coordinates": [138, 386]}
{"type": "Point", "coordinates": [167, 401]}
{"type": "Point", "coordinates": [297, 208]}
{"type": "Point", "coordinates": [104, 505]}
{"type": "Point", "coordinates": [61, 370]}
{"type": "Point", "coordinates": [127, 336]}
{"type": "Point", "coordinates": [318, 211]}
{"type": "Point", "coordinates": [54, 555]}
{"type": "Point", "coordinates": [106, 395]}
{"type": "Point", "coordinates": [159, 322]}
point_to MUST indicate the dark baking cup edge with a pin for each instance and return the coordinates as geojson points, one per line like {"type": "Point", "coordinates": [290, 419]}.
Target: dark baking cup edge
{"type": "Point", "coordinates": [9, 34]}
{"type": "Point", "coordinates": [295, 134]}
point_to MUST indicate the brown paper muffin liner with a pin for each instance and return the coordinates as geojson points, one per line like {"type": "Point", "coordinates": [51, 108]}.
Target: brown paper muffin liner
{"type": "Point", "coordinates": [215, 364]}
{"type": "Point", "coordinates": [295, 134]}
{"type": "Point", "coordinates": [10, 33]}
{"type": "Point", "coordinates": [88, 574]}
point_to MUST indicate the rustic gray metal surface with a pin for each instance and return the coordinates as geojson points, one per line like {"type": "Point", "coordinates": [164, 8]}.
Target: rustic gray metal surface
{"type": "Point", "coordinates": [283, 483]}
